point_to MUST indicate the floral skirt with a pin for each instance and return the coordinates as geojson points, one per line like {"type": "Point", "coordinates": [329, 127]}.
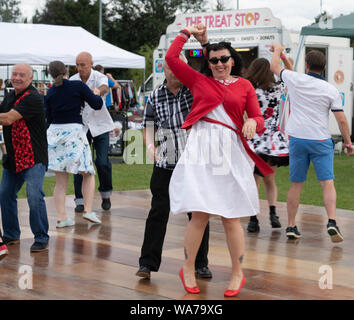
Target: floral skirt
{"type": "Point", "coordinates": [68, 149]}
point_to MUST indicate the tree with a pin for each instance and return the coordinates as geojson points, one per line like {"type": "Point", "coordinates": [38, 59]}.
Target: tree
{"type": "Point", "coordinates": [140, 22]}
{"type": "Point", "coordinates": [84, 13]}
{"type": "Point", "coordinates": [324, 16]}
{"type": "Point", "coordinates": [9, 10]}
{"type": "Point", "coordinates": [220, 5]}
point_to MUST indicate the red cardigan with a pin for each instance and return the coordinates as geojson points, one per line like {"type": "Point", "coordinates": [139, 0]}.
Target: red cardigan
{"type": "Point", "coordinates": [209, 93]}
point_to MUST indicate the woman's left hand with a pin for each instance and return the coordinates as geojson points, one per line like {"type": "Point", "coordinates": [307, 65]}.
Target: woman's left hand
{"type": "Point", "coordinates": [249, 128]}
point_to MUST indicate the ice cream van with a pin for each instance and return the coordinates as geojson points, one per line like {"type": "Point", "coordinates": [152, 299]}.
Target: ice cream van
{"type": "Point", "coordinates": [251, 33]}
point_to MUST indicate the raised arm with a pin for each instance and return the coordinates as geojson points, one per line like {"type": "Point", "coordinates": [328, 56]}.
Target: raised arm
{"type": "Point", "coordinates": [275, 66]}
{"type": "Point", "coordinates": [186, 74]}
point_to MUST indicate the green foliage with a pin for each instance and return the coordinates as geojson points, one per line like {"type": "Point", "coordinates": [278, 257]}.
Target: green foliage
{"type": "Point", "coordinates": [84, 13]}
{"type": "Point", "coordinates": [220, 5]}
{"type": "Point", "coordinates": [324, 16]}
{"type": "Point", "coordinates": [137, 74]}
{"type": "Point", "coordinates": [9, 10]}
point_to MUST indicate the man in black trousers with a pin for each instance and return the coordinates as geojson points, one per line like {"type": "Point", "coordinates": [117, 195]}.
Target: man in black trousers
{"type": "Point", "coordinates": [165, 111]}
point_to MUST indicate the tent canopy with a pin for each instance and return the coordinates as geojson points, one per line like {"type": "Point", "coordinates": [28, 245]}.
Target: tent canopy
{"type": "Point", "coordinates": [342, 26]}
{"type": "Point", "coordinates": [41, 44]}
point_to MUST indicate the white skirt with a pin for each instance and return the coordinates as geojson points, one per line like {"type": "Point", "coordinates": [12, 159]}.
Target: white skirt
{"type": "Point", "coordinates": [68, 149]}
{"type": "Point", "coordinates": [215, 173]}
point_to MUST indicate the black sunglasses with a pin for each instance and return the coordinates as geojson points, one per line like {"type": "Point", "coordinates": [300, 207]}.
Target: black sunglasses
{"type": "Point", "coordinates": [223, 59]}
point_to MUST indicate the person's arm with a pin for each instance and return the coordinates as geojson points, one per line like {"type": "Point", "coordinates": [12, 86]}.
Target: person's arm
{"type": "Point", "coordinates": [202, 37]}
{"type": "Point", "coordinates": [115, 83]}
{"type": "Point", "coordinates": [94, 100]}
{"type": "Point", "coordinates": [8, 118]}
{"type": "Point", "coordinates": [344, 130]}
{"type": "Point", "coordinates": [186, 74]}
{"type": "Point", "coordinates": [103, 89]}
{"type": "Point", "coordinates": [287, 63]}
{"type": "Point", "coordinates": [275, 66]}
{"type": "Point", "coordinates": [255, 121]}
{"type": "Point", "coordinates": [149, 129]}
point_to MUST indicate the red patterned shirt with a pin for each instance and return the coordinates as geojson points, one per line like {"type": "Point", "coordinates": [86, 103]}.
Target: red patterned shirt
{"type": "Point", "coordinates": [26, 139]}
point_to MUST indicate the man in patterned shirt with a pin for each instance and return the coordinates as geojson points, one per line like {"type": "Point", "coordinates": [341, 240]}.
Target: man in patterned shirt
{"type": "Point", "coordinates": [165, 111]}
{"type": "Point", "coordinates": [23, 120]}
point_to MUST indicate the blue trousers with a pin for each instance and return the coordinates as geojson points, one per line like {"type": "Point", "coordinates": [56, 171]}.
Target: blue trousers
{"type": "Point", "coordinates": [103, 166]}
{"type": "Point", "coordinates": [11, 183]}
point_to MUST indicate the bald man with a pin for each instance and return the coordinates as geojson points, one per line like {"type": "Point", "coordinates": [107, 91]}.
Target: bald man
{"type": "Point", "coordinates": [23, 119]}
{"type": "Point", "coordinates": [98, 123]}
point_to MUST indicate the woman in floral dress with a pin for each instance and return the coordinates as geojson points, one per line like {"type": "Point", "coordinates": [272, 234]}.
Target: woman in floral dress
{"type": "Point", "coordinates": [68, 148]}
{"type": "Point", "coordinates": [270, 144]}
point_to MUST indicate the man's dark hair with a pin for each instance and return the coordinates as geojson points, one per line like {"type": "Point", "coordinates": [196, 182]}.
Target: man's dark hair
{"type": "Point", "coordinates": [259, 74]}
{"type": "Point", "coordinates": [316, 60]}
{"type": "Point", "coordinates": [98, 68]}
{"type": "Point", "coordinates": [236, 69]}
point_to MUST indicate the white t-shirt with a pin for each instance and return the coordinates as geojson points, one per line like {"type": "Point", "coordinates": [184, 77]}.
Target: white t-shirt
{"type": "Point", "coordinates": [311, 99]}
{"type": "Point", "coordinates": [98, 121]}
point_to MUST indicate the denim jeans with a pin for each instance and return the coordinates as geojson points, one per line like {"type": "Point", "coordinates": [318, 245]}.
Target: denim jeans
{"type": "Point", "coordinates": [11, 184]}
{"type": "Point", "coordinates": [103, 166]}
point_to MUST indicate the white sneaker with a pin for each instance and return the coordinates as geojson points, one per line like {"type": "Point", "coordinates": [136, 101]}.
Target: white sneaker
{"type": "Point", "coordinates": [66, 223]}
{"type": "Point", "coordinates": [91, 217]}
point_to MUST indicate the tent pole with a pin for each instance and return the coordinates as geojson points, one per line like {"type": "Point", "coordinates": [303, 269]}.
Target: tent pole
{"type": "Point", "coordinates": [299, 48]}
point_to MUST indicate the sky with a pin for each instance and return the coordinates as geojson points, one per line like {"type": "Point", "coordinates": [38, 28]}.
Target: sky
{"type": "Point", "coordinates": [294, 14]}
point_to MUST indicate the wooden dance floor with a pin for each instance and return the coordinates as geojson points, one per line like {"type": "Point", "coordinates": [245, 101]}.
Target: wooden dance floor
{"type": "Point", "coordinates": [90, 261]}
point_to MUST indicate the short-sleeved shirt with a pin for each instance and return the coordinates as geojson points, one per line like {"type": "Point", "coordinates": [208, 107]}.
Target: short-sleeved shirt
{"type": "Point", "coordinates": [166, 113]}
{"type": "Point", "coordinates": [100, 121]}
{"type": "Point", "coordinates": [311, 100]}
{"type": "Point", "coordinates": [26, 139]}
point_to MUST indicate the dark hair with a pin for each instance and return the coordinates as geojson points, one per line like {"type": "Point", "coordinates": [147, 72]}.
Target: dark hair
{"type": "Point", "coordinates": [259, 74]}
{"type": "Point", "coordinates": [236, 69]}
{"type": "Point", "coordinates": [98, 68]}
{"type": "Point", "coordinates": [316, 60]}
{"type": "Point", "coordinates": [57, 70]}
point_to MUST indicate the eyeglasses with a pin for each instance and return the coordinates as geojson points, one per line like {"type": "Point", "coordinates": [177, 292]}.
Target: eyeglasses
{"type": "Point", "coordinates": [223, 59]}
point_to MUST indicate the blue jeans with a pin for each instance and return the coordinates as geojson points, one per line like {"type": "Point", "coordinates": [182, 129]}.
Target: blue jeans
{"type": "Point", "coordinates": [11, 184]}
{"type": "Point", "coordinates": [103, 166]}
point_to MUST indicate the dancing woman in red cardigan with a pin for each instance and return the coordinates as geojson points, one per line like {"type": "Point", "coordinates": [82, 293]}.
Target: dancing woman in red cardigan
{"type": "Point", "coordinates": [215, 172]}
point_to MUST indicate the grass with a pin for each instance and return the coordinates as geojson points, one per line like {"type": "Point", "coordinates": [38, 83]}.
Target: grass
{"type": "Point", "coordinates": [137, 176]}
{"type": "Point", "coordinates": [312, 191]}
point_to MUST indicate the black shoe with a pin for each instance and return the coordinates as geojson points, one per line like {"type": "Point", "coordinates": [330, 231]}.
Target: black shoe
{"type": "Point", "coordinates": [79, 208]}
{"type": "Point", "coordinates": [274, 221]}
{"type": "Point", "coordinates": [143, 272]}
{"type": "Point", "coordinates": [203, 272]}
{"type": "Point", "coordinates": [293, 233]}
{"type": "Point", "coordinates": [334, 232]}
{"type": "Point", "coordinates": [106, 204]}
{"type": "Point", "coordinates": [253, 226]}
{"type": "Point", "coordinates": [9, 241]}
{"type": "Point", "coordinates": [39, 246]}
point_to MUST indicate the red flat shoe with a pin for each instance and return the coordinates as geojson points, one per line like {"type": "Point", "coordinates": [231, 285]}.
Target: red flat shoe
{"type": "Point", "coordinates": [189, 290]}
{"type": "Point", "coordinates": [233, 293]}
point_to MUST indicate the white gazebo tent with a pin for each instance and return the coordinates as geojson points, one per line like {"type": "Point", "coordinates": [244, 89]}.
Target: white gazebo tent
{"type": "Point", "coordinates": [41, 44]}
